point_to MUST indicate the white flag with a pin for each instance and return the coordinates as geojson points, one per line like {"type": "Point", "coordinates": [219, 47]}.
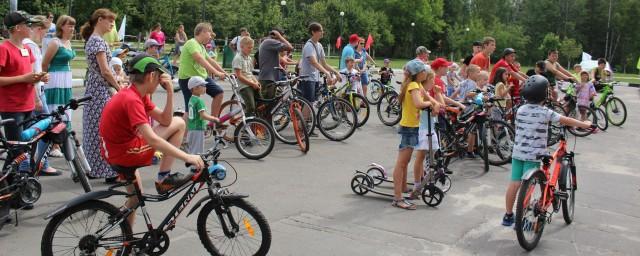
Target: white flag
{"type": "Point", "coordinates": [122, 28]}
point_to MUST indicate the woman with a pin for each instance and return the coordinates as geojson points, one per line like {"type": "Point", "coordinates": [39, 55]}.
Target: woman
{"type": "Point", "coordinates": [361, 58]}
{"type": "Point", "coordinates": [180, 38]}
{"type": "Point", "coordinates": [158, 35]}
{"type": "Point", "coordinates": [99, 79]}
{"type": "Point", "coordinates": [56, 62]}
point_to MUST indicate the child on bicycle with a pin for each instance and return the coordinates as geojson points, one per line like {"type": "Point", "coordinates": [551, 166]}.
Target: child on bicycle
{"type": "Point", "coordinates": [350, 75]}
{"type": "Point", "coordinates": [532, 122]}
{"type": "Point", "coordinates": [411, 100]}
{"type": "Point", "coordinates": [386, 73]}
{"type": "Point", "coordinates": [248, 85]}
{"type": "Point", "coordinates": [198, 117]}
{"type": "Point", "coordinates": [585, 91]}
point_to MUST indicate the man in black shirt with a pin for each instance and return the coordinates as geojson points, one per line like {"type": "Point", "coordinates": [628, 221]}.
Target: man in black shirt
{"type": "Point", "coordinates": [477, 47]}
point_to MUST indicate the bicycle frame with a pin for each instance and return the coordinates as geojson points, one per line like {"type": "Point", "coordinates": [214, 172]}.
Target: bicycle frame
{"type": "Point", "coordinates": [606, 93]}
{"type": "Point", "coordinates": [548, 196]}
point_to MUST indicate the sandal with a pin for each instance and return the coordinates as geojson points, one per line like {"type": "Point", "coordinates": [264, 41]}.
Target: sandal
{"type": "Point", "coordinates": [403, 204]}
{"type": "Point", "coordinates": [413, 195]}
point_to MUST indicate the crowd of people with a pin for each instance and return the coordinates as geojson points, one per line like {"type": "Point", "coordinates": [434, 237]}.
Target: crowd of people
{"type": "Point", "coordinates": [122, 127]}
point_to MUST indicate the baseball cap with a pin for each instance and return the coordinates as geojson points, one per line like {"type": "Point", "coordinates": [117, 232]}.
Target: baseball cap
{"type": "Point", "coordinates": [118, 51]}
{"type": "Point", "coordinates": [14, 18]}
{"type": "Point", "coordinates": [38, 21]}
{"type": "Point", "coordinates": [508, 51]}
{"type": "Point", "coordinates": [354, 38]}
{"type": "Point", "coordinates": [143, 63]}
{"type": "Point", "coordinates": [477, 43]}
{"type": "Point", "coordinates": [196, 81]}
{"type": "Point", "coordinates": [387, 60]}
{"type": "Point", "coordinates": [150, 43]}
{"type": "Point", "coordinates": [421, 49]}
{"type": "Point", "coordinates": [415, 66]}
{"type": "Point", "coordinates": [440, 62]}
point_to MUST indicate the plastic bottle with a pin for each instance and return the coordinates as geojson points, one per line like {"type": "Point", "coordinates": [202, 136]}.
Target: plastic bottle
{"type": "Point", "coordinates": [218, 171]}
{"type": "Point", "coordinates": [35, 129]}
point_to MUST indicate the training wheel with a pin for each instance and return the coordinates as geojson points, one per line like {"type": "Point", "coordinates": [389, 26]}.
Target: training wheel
{"type": "Point", "coordinates": [376, 174]}
{"type": "Point", "coordinates": [360, 184]}
{"type": "Point", "coordinates": [443, 182]}
{"type": "Point", "coordinates": [432, 195]}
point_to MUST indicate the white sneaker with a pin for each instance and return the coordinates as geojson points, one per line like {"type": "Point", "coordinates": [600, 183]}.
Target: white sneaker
{"type": "Point", "coordinates": [56, 153]}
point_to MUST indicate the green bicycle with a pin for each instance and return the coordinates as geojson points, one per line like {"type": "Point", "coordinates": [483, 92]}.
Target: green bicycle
{"type": "Point", "coordinates": [350, 93]}
{"type": "Point", "coordinates": [614, 108]}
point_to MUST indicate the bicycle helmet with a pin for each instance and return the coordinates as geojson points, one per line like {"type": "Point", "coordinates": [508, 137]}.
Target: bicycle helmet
{"type": "Point", "coordinates": [535, 89]}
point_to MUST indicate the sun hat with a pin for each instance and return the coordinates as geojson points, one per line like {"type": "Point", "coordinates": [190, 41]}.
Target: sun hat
{"type": "Point", "coordinates": [196, 81]}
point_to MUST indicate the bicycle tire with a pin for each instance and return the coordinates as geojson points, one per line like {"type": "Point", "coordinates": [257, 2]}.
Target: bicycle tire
{"type": "Point", "coordinates": [520, 223]}
{"type": "Point", "coordinates": [389, 108]}
{"type": "Point", "coordinates": [80, 173]}
{"type": "Point", "coordinates": [374, 91]}
{"type": "Point", "coordinates": [92, 206]}
{"type": "Point", "coordinates": [300, 129]}
{"type": "Point", "coordinates": [357, 101]}
{"type": "Point", "coordinates": [566, 184]}
{"type": "Point", "coordinates": [603, 121]}
{"type": "Point", "coordinates": [257, 126]}
{"type": "Point", "coordinates": [484, 153]}
{"type": "Point", "coordinates": [502, 151]}
{"type": "Point", "coordinates": [261, 221]}
{"type": "Point", "coordinates": [342, 110]}
{"type": "Point", "coordinates": [279, 128]}
{"type": "Point", "coordinates": [225, 108]}
{"type": "Point", "coordinates": [591, 116]}
{"type": "Point", "coordinates": [620, 106]}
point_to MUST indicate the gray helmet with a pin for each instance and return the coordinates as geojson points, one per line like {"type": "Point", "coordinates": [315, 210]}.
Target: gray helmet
{"type": "Point", "coordinates": [535, 89]}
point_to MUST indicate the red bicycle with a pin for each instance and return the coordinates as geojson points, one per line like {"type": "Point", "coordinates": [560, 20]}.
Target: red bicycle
{"type": "Point", "coordinates": [542, 190]}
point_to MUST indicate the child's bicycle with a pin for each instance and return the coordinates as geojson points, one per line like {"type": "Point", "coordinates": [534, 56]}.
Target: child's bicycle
{"type": "Point", "coordinates": [573, 110]}
{"type": "Point", "coordinates": [388, 106]}
{"type": "Point", "coordinates": [435, 182]}
{"type": "Point", "coordinates": [351, 93]}
{"type": "Point", "coordinates": [543, 193]}
{"type": "Point", "coordinates": [614, 108]}
{"type": "Point", "coordinates": [376, 89]}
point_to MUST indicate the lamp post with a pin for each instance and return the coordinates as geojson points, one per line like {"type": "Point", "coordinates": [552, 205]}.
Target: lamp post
{"type": "Point", "coordinates": [283, 4]}
{"type": "Point", "coordinates": [413, 36]}
{"type": "Point", "coordinates": [341, 24]}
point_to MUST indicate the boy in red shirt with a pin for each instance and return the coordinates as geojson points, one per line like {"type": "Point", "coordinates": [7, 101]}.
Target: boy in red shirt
{"type": "Point", "coordinates": [128, 140]}
{"type": "Point", "coordinates": [483, 59]}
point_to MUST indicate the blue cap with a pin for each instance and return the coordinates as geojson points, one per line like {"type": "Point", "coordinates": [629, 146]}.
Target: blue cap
{"type": "Point", "coordinates": [415, 66]}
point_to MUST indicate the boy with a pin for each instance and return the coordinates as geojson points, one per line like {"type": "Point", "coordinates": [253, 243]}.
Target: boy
{"type": "Point", "coordinates": [350, 72]}
{"type": "Point", "coordinates": [248, 86]}
{"type": "Point", "coordinates": [197, 116]}
{"type": "Point", "coordinates": [532, 121]}
{"type": "Point", "coordinates": [129, 141]}
{"type": "Point", "coordinates": [465, 91]}
{"type": "Point", "coordinates": [386, 72]}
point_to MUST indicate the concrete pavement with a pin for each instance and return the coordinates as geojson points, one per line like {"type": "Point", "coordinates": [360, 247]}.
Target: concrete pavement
{"type": "Point", "coordinates": [312, 210]}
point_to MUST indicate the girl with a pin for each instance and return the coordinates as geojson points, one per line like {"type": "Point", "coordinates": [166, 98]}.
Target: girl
{"type": "Point", "coordinates": [433, 95]}
{"type": "Point", "coordinates": [585, 91]}
{"type": "Point", "coordinates": [453, 80]}
{"type": "Point", "coordinates": [118, 72]}
{"type": "Point", "coordinates": [411, 100]}
{"type": "Point", "coordinates": [500, 81]}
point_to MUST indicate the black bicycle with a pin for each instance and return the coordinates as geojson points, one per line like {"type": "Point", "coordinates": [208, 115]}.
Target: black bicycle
{"type": "Point", "coordinates": [227, 224]}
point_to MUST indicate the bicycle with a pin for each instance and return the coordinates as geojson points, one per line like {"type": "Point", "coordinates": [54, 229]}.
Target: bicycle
{"type": "Point", "coordinates": [614, 107]}
{"type": "Point", "coordinates": [557, 190]}
{"type": "Point", "coordinates": [336, 117]}
{"type": "Point", "coordinates": [349, 92]}
{"type": "Point", "coordinates": [100, 228]}
{"type": "Point", "coordinates": [389, 108]}
{"type": "Point", "coordinates": [377, 89]}
{"type": "Point", "coordinates": [571, 109]}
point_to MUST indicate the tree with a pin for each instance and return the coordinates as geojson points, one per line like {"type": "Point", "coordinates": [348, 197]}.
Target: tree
{"type": "Point", "coordinates": [570, 49]}
{"type": "Point", "coordinates": [550, 41]}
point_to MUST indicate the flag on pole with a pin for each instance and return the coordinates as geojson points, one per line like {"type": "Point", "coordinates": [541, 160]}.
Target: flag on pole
{"type": "Point", "coordinates": [369, 42]}
{"type": "Point", "coordinates": [338, 42]}
{"type": "Point", "coordinates": [123, 26]}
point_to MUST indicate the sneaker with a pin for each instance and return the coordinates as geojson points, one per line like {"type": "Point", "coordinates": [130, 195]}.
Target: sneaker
{"type": "Point", "coordinates": [471, 155]}
{"type": "Point", "coordinates": [56, 153]}
{"type": "Point", "coordinates": [50, 171]}
{"type": "Point", "coordinates": [447, 171]}
{"type": "Point", "coordinates": [172, 181]}
{"type": "Point", "coordinates": [507, 220]}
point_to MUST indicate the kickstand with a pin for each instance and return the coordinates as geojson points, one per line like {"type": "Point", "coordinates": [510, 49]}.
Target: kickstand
{"type": "Point", "coordinates": [16, 218]}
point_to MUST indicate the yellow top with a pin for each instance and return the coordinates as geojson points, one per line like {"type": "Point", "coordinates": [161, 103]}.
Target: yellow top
{"type": "Point", "coordinates": [409, 111]}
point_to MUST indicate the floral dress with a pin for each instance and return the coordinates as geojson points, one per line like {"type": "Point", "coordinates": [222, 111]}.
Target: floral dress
{"type": "Point", "coordinates": [96, 87]}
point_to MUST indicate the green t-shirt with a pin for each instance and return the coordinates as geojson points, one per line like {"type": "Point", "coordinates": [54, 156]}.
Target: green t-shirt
{"type": "Point", "coordinates": [196, 104]}
{"type": "Point", "coordinates": [188, 65]}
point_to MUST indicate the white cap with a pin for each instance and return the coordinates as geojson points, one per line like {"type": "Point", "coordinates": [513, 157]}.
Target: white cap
{"type": "Point", "coordinates": [150, 42]}
{"type": "Point", "coordinates": [115, 61]}
{"type": "Point", "coordinates": [195, 81]}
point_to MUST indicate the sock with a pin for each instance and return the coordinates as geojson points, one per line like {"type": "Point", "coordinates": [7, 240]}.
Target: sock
{"type": "Point", "coordinates": [416, 185]}
{"type": "Point", "coordinates": [163, 174]}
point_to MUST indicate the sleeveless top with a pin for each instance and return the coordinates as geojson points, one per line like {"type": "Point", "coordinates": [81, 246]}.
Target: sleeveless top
{"type": "Point", "coordinates": [61, 60]}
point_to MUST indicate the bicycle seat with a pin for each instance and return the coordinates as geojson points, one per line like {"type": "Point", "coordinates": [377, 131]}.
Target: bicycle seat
{"type": "Point", "coordinates": [546, 158]}
{"type": "Point", "coordinates": [255, 72]}
{"type": "Point", "coordinates": [125, 172]}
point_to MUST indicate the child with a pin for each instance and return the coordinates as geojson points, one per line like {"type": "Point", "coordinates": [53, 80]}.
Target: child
{"type": "Point", "coordinates": [453, 80]}
{"type": "Point", "coordinates": [500, 81]}
{"type": "Point", "coordinates": [386, 72]}
{"type": "Point", "coordinates": [532, 121]}
{"type": "Point", "coordinates": [585, 91]}
{"type": "Point", "coordinates": [197, 116]}
{"type": "Point", "coordinates": [411, 100]}
{"type": "Point", "coordinates": [118, 73]}
{"type": "Point", "coordinates": [465, 91]}
{"type": "Point", "coordinates": [248, 86]}
{"type": "Point", "coordinates": [352, 72]}
{"type": "Point", "coordinates": [433, 94]}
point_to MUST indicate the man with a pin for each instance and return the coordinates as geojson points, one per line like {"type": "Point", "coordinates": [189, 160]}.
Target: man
{"type": "Point", "coordinates": [349, 50]}
{"type": "Point", "coordinates": [194, 61]}
{"type": "Point", "coordinates": [422, 54]}
{"type": "Point", "coordinates": [483, 58]}
{"type": "Point", "coordinates": [554, 71]}
{"type": "Point", "coordinates": [152, 48]}
{"type": "Point", "coordinates": [234, 42]}
{"type": "Point", "coordinates": [515, 76]}
{"type": "Point", "coordinates": [112, 38]}
{"type": "Point", "coordinates": [476, 47]}
{"type": "Point", "coordinates": [128, 140]}
{"type": "Point", "coordinates": [269, 60]}
{"type": "Point", "coordinates": [51, 33]}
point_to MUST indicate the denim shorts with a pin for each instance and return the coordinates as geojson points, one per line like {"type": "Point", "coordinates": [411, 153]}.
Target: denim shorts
{"type": "Point", "coordinates": [364, 78]}
{"type": "Point", "coordinates": [308, 89]}
{"type": "Point", "coordinates": [408, 137]}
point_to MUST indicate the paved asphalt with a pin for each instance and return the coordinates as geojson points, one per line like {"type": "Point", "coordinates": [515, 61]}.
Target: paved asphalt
{"type": "Point", "coordinates": [312, 210]}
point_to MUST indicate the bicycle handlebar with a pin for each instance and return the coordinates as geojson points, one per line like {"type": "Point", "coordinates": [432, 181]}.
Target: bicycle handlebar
{"type": "Point", "coordinates": [73, 104]}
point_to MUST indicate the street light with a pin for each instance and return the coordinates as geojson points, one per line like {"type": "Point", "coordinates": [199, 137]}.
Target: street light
{"type": "Point", "coordinates": [341, 26]}
{"type": "Point", "coordinates": [413, 35]}
{"type": "Point", "coordinates": [283, 3]}
{"type": "Point", "coordinates": [466, 29]}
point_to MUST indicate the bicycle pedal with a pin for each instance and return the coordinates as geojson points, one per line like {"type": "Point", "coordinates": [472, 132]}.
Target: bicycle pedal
{"type": "Point", "coordinates": [561, 195]}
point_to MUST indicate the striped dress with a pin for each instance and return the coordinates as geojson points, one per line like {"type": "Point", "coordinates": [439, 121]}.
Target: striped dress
{"type": "Point", "coordinates": [58, 91]}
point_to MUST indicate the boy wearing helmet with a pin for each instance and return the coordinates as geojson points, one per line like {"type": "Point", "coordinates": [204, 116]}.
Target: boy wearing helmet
{"type": "Point", "coordinates": [532, 123]}
{"type": "Point", "coordinates": [386, 72]}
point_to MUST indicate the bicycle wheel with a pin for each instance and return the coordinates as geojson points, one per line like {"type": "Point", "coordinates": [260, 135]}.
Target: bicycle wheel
{"type": "Point", "coordinates": [361, 106]}
{"type": "Point", "coordinates": [374, 92]}
{"type": "Point", "coordinates": [226, 108]}
{"type": "Point", "coordinates": [616, 111]}
{"type": "Point", "coordinates": [236, 228]}
{"type": "Point", "coordinates": [78, 171]}
{"type": "Point", "coordinates": [389, 108]}
{"type": "Point", "coordinates": [254, 139]}
{"type": "Point", "coordinates": [337, 119]}
{"type": "Point", "coordinates": [501, 137]}
{"type": "Point", "coordinates": [483, 145]}
{"type": "Point", "coordinates": [603, 121]}
{"type": "Point", "coordinates": [74, 231]}
{"type": "Point", "coordinates": [567, 184]}
{"type": "Point", "coordinates": [530, 220]}
{"type": "Point", "coordinates": [577, 114]}
{"type": "Point", "coordinates": [281, 121]}
{"type": "Point", "coordinates": [300, 129]}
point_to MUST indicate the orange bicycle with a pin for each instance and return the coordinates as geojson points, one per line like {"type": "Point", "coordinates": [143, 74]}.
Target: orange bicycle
{"type": "Point", "coordinates": [556, 190]}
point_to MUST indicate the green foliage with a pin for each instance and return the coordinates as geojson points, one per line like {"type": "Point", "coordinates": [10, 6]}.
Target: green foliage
{"type": "Point", "coordinates": [570, 49]}
{"type": "Point", "coordinates": [550, 42]}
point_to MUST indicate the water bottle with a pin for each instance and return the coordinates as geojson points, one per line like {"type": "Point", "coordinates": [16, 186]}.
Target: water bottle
{"type": "Point", "coordinates": [218, 171]}
{"type": "Point", "coordinates": [35, 129]}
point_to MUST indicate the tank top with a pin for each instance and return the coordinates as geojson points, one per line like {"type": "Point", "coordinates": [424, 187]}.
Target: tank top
{"type": "Point", "coordinates": [61, 60]}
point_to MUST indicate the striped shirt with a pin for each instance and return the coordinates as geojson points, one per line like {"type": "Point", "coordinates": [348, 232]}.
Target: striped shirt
{"type": "Point", "coordinates": [532, 123]}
